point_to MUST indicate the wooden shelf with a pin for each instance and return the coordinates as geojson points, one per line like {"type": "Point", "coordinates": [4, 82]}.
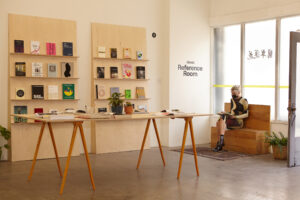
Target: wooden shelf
{"type": "Point", "coordinates": [134, 99]}
{"type": "Point", "coordinates": [121, 59]}
{"type": "Point", "coordinates": [32, 77]}
{"type": "Point", "coordinates": [42, 55]}
{"type": "Point", "coordinates": [120, 79]}
{"type": "Point", "coordinates": [44, 99]}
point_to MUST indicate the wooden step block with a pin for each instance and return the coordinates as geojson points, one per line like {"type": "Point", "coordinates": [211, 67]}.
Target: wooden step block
{"type": "Point", "coordinates": [247, 141]}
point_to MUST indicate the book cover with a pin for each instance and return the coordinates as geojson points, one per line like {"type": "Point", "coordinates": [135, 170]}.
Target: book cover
{"type": "Point", "coordinates": [20, 110]}
{"type": "Point", "coordinates": [126, 70]}
{"type": "Point", "coordinates": [20, 69]}
{"type": "Point", "coordinates": [37, 91]}
{"type": "Point", "coordinates": [37, 70]}
{"type": "Point", "coordinates": [52, 70]}
{"type": "Point", "coordinates": [127, 94]}
{"type": "Point", "coordinates": [52, 91]}
{"type": "Point", "coordinates": [38, 110]}
{"type": "Point", "coordinates": [68, 91]}
{"type": "Point", "coordinates": [140, 72]}
{"type": "Point", "coordinates": [101, 52]}
{"type": "Point", "coordinates": [67, 69]}
{"type": "Point", "coordinates": [139, 55]}
{"type": "Point", "coordinates": [114, 72]}
{"type": "Point", "coordinates": [140, 93]}
{"type": "Point", "coordinates": [35, 47]}
{"type": "Point", "coordinates": [20, 93]}
{"type": "Point", "coordinates": [51, 48]}
{"type": "Point", "coordinates": [127, 53]}
{"type": "Point", "coordinates": [19, 46]}
{"type": "Point", "coordinates": [100, 110]}
{"type": "Point", "coordinates": [101, 92]}
{"type": "Point", "coordinates": [100, 72]}
{"type": "Point", "coordinates": [114, 90]}
{"type": "Point", "coordinates": [67, 49]}
{"type": "Point", "coordinates": [96, 86]}
{"type": "Point", "coordinates": [142, 108]}
{"type": "Point", "coordinates": [113, 53]}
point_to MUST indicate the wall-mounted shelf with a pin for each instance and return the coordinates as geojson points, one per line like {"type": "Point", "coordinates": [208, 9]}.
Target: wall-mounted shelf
{"type": "Point", "coordinates": [31, 77]}
{"type": "Point", "coordinates": [44, 99]}
{"type": "Point", "coordinates": [133, 99]}
{"type": "Point", "coordinates": [42, 55]}
{"type": "Point", "coordinates": [121, 59]}
{"type": "Point", "coordinates": [120, 79]}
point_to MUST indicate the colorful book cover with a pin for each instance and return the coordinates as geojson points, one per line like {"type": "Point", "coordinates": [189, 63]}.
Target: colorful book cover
{"type": "Point", "coordinates": [67, 49]}
{"type": "Point", "coordinates": [127, 94]}
{"type": "Point", "coordinates": [113, 53]}
{"type": "Point", "coordinates": [38, 110]}
{"type": "Point", "coordinates": [140, 72]}
{"type": "Point", "coordinates": [19, 46]}
{"type": "Point", "coordinates": [139, 55]}
{"type": "Point", "coordinates": [52, 70]}
{"type": "Point", "coordinates": [67, 69]}
{"type": "Point", "coordinates": [68, 91]}
{"type": "Point", "coordinates": [127, 70]}
{"type": "Point", "coordinates": [140, 93]}
{"type": "Point", "coordinates": [52, 91]}
{"type": "Point", "coordinates": [20, 93]}
{"type": "Point", "coordinates": [127, 53]}
{"type": "Point", "coordinates": [37, 91]}
{"type": "Point", "coordinates": [35, 47]}
{"type": "Point", "coordinates": [20, 69]}
{"type": "Point", "coordinates": [114, 72]}
{"type": "Point", "coordinates": [51, 48]}
{"type": "Point", "coordinates": [114, 90]}
{"type": "Point", "coordinates": [20, 110]}
{"type": "Point", "coordinates": [101, 52]}
{"type": "Point", "coordinates": [37, 70]}
{"type": "Point", "coordinates": [100, 72]}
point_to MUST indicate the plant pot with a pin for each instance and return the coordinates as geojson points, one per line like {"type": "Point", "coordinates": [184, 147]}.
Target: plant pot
{"type": "Point", "coordinates": [128, 110]}
{"type": "Point", "coordinates": [279, 152]}
{"type": "Point", "coordinates": [117, 110]}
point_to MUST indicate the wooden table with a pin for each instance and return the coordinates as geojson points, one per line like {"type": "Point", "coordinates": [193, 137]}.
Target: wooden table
{"type": "Point", "coordinates": [77, 122]}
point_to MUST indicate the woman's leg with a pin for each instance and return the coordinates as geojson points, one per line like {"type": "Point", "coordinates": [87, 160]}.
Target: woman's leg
{"type": "Point", "coordinates": [221, 127]}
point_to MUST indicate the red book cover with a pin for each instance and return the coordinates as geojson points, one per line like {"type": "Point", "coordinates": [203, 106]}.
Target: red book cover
{"type": "Point", "coordinates": [51, 48]}
{"type": "Point", "coordinates": [38, 110]}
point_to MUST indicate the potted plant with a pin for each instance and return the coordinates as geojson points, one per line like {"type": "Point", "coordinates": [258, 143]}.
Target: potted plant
{"type": "Point", "coordinates": [128, 108]}
{"type": "Point", "coordinates": [279, 145]}
{"type": "Point", "coordinates": [116, 103]}
{"type": "Point", "coordinates": [5, 133]}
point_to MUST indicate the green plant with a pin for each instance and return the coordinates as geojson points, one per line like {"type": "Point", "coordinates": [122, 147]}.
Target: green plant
{"type": "Point", "coordinates": [128, 104]}
{"type": "Point", "coordinates": [5, 133]}
{"type": "Point", "coordinates": [274, 139]}
{"type": "Point", "coordinates": [115, 99]}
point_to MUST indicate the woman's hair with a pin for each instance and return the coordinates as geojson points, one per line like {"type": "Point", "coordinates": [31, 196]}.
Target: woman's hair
{"type": "Point", "coordinates": [236, 87]}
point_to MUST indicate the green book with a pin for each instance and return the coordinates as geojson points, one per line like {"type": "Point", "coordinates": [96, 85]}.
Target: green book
{"type": "Point", "coordinates": [68, 91]}
{"type": "Point", "coordinates": [127, 94]}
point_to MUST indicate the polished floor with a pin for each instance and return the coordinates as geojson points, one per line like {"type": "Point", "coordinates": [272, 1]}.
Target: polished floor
{"type": "Point", "coordinates": [251, 178]}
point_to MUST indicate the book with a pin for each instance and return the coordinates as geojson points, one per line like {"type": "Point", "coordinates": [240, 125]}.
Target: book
{"type": "Point", "coordinates": [113, 53]}
{"type": "Point", "coordinates": [51, 48]}
{"type": "Point", "coordinates": [114, 90]}
{"type": "Point", "coordinates": [140, 93]}
{"type": "Point", "coordinates": [139, 55]}
{"type": "Point", "coordinates": [101, 110]}
{"type": "Point", "coordinates": [96, 86]}
{"type": "Point", "coordinates": [37, 70]}
{"type": "Point", "coordinates": [20, 69]}
{"type": "Point", "coordinates": [142, 108]}
{"type": "Point", "coordinates": [101, 91]}
{"type": "Point", "coordinates": [126, 70]}
{"type": "Point", "coordinates": [114, 72]}
{"type": "Point", "coordinates": [101, 52]}
{"type": "Point", "coordinates": [127, 53]}
{"type": "Point", "coordinates": [35, 47]}
{"type": "Point", "coordinates": [67, 69]}
{"type": "Point", "coordinates": [127, 94]}
{"type": "Point", "coordinates": [140, 72]}
{"type": "Point", "coordinates": [20, 110]}
{"type": "Point", "coordinates": [52, 70]}
{"type": "Point", "coordinates": [67, 49]}
{"type": "Point", "coordinates": [100, 72]}
{"type": "Point", "coordinates": [68, 91]}
{"type": "Point", "coordinates": [38, 110]}
{"type": "Point", "coordinates": [37, 91]}
{"type": "Point", "coordinates": [20, 93]}
{"type": "Point", "coordinates": [52, 91]}
{"type": "Point", "coordinates": [19, 46]}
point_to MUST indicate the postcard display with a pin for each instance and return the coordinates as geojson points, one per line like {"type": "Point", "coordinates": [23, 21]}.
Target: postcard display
{"type": "Point", "coordinates": [117, 53]}
{"type": "Point", "coordinates": [42, 61]}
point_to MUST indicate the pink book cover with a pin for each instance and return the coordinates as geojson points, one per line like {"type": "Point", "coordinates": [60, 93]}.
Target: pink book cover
{"type": "Point", "coordinates": [127, 70]}
{"type": "Point", "coordinates": [51, 48]}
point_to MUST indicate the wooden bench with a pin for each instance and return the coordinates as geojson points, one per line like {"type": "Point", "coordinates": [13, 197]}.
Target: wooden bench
{"type": "Point", "coordinates": [249, 139]}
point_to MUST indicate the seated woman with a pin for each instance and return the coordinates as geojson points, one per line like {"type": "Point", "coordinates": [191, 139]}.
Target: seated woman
{"type": "Point", "coordinates": [234, 119]}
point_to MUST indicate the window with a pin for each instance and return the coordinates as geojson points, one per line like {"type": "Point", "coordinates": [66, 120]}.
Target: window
{"type": "Point", "coordinates": [227, 59]}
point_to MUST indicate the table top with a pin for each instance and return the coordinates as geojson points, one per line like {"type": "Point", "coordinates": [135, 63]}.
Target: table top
{"type": "Point", "coordinates": [97, 117]}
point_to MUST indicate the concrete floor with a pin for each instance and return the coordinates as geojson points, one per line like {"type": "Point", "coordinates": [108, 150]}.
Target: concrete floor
{"type": "Point", "coordinates": [251, 178]}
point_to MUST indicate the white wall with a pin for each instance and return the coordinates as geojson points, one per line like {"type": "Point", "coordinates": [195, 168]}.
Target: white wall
{"type": "Point", "coordinates": [189, 41]}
